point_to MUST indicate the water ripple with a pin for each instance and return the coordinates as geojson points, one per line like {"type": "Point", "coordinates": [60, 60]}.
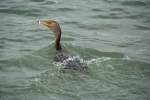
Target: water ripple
{"type": "Point", "coordinates": [65, 9]}
{"type": "Point", "coordinates": [11, 39]}
{"type": "Point", "coordinates": [72, 22]}
{"type": "Point", "coordinates": [97, 10]}
{"type": "Point", "coordinates": [116, 9]}
{"type": "Point", "coordinates": [50, 2]}
{"type": "Point", "coordinates": [110, 16]}
{"type": "Point", "coordinates": [37, 0]}
{"type": "Point", "coordinates": [141, 27]}
{"type": "Point", "coordinates": [25, 12]}
{"type": "Point", "coordinates": [134, 3]}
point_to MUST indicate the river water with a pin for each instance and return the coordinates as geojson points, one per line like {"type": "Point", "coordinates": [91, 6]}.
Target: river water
{"type": "Point", "coordinates": [111, 37]}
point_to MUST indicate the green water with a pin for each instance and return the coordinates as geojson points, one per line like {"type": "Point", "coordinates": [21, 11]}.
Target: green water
{"type": "Point", "coordinates": [111, 37]}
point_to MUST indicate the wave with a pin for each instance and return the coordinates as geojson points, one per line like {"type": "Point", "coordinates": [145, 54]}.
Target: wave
{"type": "Point", "coordinates": [133, 3]}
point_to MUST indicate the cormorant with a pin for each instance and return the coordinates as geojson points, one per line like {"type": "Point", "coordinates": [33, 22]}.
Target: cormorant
{"type": "Point", "coordinates": [69, 61]}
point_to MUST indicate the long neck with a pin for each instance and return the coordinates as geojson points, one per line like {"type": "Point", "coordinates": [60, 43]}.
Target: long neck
{"type": "Point", "coordinates": [58, 38]}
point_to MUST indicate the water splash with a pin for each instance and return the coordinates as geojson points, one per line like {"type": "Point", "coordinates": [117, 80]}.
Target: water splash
{"type": "Point", "coordinates": [78, 59]}
{"type": "Point", "coordinates": [73, 59]}
{"type": "Point", "coordinates": [87, 62]}
{"type": "Point", "coordinates": [97, 60]}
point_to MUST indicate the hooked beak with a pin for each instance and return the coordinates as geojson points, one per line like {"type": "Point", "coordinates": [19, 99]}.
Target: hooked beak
{"type": "Point", "coordinates": [43, 23]}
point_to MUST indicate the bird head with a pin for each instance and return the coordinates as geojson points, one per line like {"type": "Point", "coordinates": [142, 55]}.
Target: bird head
{"type": "Point", "coordinates": [51, 24]}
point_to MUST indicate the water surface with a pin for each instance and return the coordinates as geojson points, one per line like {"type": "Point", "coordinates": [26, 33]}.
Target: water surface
{"type": "Point", "coordinates": [110, 36]}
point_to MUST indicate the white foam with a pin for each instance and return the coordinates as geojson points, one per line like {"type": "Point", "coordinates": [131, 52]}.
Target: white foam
{"type": "Point", "coordinates": [77, 58]}
{"type": "Point", "coordinates": [36, 80]}
{"type": "Point", "coordinates": [52, 42]}
{"type": "Point", "coordinates": [127, 58]}
{"type": "Point", "coordinates": [98, 60]}
{"type": "Point", "coordinates": [57, 64]}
